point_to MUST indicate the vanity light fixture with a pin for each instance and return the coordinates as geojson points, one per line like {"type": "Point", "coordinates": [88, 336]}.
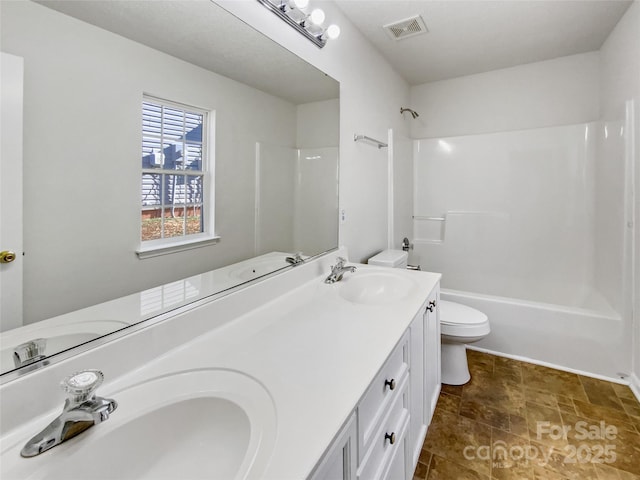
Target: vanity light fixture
{"type": "Point", "coordinates": [294, 12]}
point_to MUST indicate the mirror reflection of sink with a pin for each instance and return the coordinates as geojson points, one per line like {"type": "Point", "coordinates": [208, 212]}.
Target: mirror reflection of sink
{"type": "Point", "coordinates": [212, 424]}
{"type": "Point", "coordinates": [258, 267]}
{"type": "Point", "coordinates": [375, 287]}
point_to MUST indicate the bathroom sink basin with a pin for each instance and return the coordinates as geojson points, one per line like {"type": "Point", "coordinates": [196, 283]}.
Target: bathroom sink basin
{"type": "Point", "coordinates": [375, 288]}
{"type": "Point", "coordinates": [213, 424]}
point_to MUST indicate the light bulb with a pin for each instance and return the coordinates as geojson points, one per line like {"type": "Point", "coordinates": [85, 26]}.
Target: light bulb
{"type": "Point", "coordinates": [317, 17]}
{"type": "Point", "coordinates": [300, 3]}
{"type": "Point", "coordinates": [333, 31]}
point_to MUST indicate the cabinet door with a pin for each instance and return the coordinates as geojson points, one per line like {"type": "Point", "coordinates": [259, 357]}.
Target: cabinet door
{"type": "Point", "coordinates": [417, 424]}
{"type": "Point", "coordinates": [398, 466]}
{"type": "Point", "coordinates": [432, 354]}
{"type": "Point", "coordinates": [339, 462]}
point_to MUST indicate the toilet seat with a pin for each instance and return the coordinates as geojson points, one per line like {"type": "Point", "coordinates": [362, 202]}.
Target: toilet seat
{"type": "Point", "coordinates": [457, 320]}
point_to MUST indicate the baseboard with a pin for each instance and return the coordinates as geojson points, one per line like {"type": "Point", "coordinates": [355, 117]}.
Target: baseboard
{"type": "Point", "coordinates": [621, 381]}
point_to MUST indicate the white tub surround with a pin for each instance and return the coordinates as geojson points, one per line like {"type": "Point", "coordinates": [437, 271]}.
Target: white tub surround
{"type": "Point", "coordinates": [313, 351]}
{"type": "Point", "coordinates": [513, 220]}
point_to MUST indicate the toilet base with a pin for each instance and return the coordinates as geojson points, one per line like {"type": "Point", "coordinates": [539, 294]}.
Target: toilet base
{"type": "Point", "coordinates": [455, 370]}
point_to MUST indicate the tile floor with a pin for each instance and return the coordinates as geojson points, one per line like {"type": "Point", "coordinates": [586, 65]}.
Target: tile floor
{"type": "Point", "coordinates": [516, 420]}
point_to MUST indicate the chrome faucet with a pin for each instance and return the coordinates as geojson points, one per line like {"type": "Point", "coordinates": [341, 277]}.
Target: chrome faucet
{"type": "Point", "coordinates": [82, 410]}
{"type": "Point", "coordinates": [295, 260]}
{"type": "Point", "coordinates": [338, 270]}
{"type": "Point", "coordinates": [29, 352]}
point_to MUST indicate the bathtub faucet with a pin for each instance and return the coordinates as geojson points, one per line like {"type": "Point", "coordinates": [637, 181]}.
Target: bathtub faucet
{"type": "Point", "coordinates": [338, 270]}
{"type": "Point", "coordinates": [82, 410]}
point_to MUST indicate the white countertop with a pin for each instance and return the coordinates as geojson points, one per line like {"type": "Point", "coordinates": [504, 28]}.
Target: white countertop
{"type": "Point", "coordinates": [313, 351]}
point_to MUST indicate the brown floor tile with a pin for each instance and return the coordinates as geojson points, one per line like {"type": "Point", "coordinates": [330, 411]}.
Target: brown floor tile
{"type": "Point", "coordinates": [425, 457]}
{"type": "Point", "coordinates": [600, 392]}
{"type": "Point", "coordinates": [507, 362]}
{"type": "Point", "coordinates": [513, 473]}
{"type": "Point", "coordinates": [541, 397]}
{"type": "Point", "coordinates": [509, 456]}
{"type": "Point", "coordinates": [420, 472]}
{"type": "Point", "coordinates": [474, 357]}
{"type": "Point", "coordinates": [553, 381]}
{"type": "Point", "coordinates": [635, 421]}
{"type": "Point", "coordinates": [483, 413]}
{"type": "Point", "coordinates": [518, 426]}
{"type": "Point", "coordinates": [623, 391]}
{"type": "Point", "coordinates": [627, 449]}
{"type": "Point", "coordinates": [479, 368]}
{"type": "Point", "coordinates": [631, 406]}
{"type": "Point", "coordinates": [605, 472]}
{"type": "Point", "coordinates": [558, 464]}
{"type": "Point", "coordinates": [452, 389]}
{"type": "Point", "coordinates": [597, 442]}
{"type": "Point", "coordinates": [506, 401]}
{"type": "Point", "coordinates": [508, 374]}
{"type": "Point", "coordinates": [448, 402]}
{"type": "Point", "coordinates": [565, 404]}
{"type": "Point", "coordinates": [598, 413]}
{"type": "Point", "coordinates": [545, 425]}
{"type": "Point", "coordinates": [496, 393]}
{"type": "Point", "coordinates": [450, 435]}
{"type": "Point", "coordinates": [445, 469]}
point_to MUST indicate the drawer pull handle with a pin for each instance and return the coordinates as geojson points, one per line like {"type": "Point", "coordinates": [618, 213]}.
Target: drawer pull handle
{"type": "Point", "coordinates": [390, 383]}
{"type": "Point", "coordinates": [432, 305]}
{"type": "Point", "coordinates": [391, 437]}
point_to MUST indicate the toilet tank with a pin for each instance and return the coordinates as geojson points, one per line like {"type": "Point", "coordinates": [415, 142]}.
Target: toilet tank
{"type": "Point", "coordinates": [390, 258]}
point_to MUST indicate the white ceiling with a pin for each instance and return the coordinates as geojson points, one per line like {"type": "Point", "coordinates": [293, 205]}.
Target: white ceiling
{"type": "Point", "coordinates": [473, 36]}
{"type": "Point", "coordinates": [214, 40]}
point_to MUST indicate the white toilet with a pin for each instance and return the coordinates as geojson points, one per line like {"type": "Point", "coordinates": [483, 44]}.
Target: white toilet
{"type": "Point", "coordinates": [459, 325]}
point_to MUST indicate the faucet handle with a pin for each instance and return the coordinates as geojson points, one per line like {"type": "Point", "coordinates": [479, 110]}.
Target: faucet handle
{"type": "Point", "coordinates": [81, 385]}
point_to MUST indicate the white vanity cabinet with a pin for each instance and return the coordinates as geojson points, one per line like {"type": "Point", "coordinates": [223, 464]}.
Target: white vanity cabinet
{"type": "Point", "coordinates": [432, 374]}
{"type": "Point", "coordinates": [339, 463]}
{"type": "Point", "coordinates": [383, 416]}
{"type": "Point", "coordinates": [425, 371]}
{"type": "Point", "coordinates": [384, 438]}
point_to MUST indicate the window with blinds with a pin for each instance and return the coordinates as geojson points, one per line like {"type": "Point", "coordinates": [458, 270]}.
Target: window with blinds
{"type": "Point", "coordinates": [173, 170]}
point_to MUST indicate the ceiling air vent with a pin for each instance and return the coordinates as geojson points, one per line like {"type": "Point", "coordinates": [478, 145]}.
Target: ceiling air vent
{"type": "Point", "coordinates": [406, 28]}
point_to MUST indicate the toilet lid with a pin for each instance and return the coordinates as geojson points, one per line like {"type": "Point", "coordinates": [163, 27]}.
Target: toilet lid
{"type": "Point", "coordinates": [452, 313]}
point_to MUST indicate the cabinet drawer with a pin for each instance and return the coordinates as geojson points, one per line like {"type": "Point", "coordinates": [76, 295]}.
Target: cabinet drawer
{"type": "Point", "coordinates": [377, 459]}
{"type": "Point", "coordinates": [382, 391]}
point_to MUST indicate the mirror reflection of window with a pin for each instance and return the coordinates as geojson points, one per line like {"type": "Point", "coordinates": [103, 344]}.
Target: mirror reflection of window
{"type": "Point", "coordinates": [172, 142]}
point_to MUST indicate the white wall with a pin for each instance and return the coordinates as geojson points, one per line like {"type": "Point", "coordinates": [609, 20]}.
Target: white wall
{"type": "Point", "coordinates": [315, 225]}
{"type": "Point", "coordinates": [318, 124]}
{"type": "Point", "coordinates": [402, 188]}
{"type": "Point", "coordinates": [371, 94]}
{"type": "Point", "coordinates": [275, 176]}
{"type": "Point", "coordinates": [555, 92]}
{"type": "Point", "coordinates": [81, 190]}
{"type": "Point", "coordinates": [620, 82]}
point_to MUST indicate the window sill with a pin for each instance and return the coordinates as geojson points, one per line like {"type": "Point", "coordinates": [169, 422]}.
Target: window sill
{"type": "Point", "coordinates": [153, 249]}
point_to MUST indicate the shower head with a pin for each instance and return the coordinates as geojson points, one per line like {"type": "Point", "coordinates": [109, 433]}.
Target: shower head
{"type": "Point", "coordinates": [413, 113]}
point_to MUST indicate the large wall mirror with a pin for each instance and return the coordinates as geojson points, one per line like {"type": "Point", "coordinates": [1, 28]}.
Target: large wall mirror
{"type": "Point", "coordinates": [268, 191]}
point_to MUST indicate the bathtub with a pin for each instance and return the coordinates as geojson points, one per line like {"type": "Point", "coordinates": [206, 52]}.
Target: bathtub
{"type": "Point", "coordinates": [588, 338]}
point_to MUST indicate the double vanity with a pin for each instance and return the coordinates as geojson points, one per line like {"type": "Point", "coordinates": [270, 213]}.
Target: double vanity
{"type": "Point", "coordinates": [289, 377]}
